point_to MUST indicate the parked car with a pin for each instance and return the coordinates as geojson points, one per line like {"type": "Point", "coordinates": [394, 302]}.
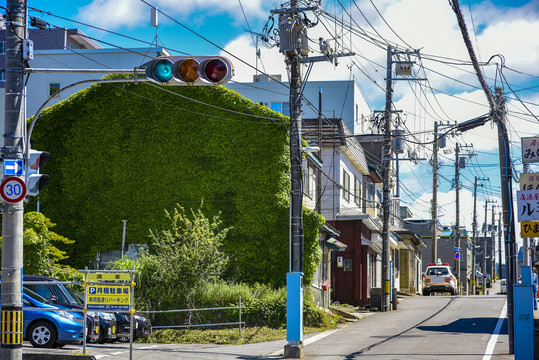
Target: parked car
{"type": "Point", "coordinates": [439, 277]}
{"type": "Point", "coordinates": [49, 328]}
{"type": "Point", "coordinates": [142, 327]}
{"type": "Point", "coordinates": [58, 294]}
{"type": "Point", "coordinates": [107, 321]}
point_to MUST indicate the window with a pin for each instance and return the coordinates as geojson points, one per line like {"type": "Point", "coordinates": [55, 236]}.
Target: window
{"type": "Point", "coordinates": [370, 194]}
{"type": "Point", "coordinates": [347, 264]}
{"type": "Point", "coordinates": [53, 88]}
{"type": "Point", "coordinates": [365, 199]}
{"type": "Point", "coordinates": [357, 191]}
{"type": "Point", "coordinates": [2, 47]}
{"type": "Point", "coordinates": [282, 107]}
{"type": "Point", "coordinates": [346, 185]}
{"type": "Point", "coordinates": [2, 75]}
{"type": "Point", "coordinates": [310, 180]}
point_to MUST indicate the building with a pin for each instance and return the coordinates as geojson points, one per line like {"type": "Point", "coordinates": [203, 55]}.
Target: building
{"type": "Point", "coordinates": [67, 49]}
{"type": "Point", "coordinates": [446, 249]}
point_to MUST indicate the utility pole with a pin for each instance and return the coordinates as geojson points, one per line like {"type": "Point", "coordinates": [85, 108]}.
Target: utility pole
{"type": "Point", "coordinates": [434, 204]}
{"type": "Point", "coordinates": [294, 45]}
{"type": "Point", "coordinates": [405, 69]}
{"type": "Point", "coordinates": [386, 174]}
{"type": "Point", "coordinates": [506, 175]}
{"type": "Point", "coordinates": [293, 33]}
{"type": "Point", "coordinates": [457, 214]}
{"type": "Point", "coordinates": [500, 245]}
{"type": "Point", "coordinates": [13, 213]}
{"type": "Point", "coordinates": [474, 227]}
{"type": "Point", "coordinates": [485, 247]}
{"type": "Point", "coordinates": [493, 250]}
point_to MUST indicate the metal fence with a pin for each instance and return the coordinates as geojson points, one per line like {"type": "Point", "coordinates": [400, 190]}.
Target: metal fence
{"type": "Point", "coordinates": [239, 323]}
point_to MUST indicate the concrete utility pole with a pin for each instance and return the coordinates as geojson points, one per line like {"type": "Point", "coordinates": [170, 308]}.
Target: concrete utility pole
{"type": "Point", "coordinates": [457, 214]}
{"type": "Point", "coordinates": [474, 227]}
{"type": "Point", "coordinates": [484, 262]}
{"type": "Point", "coordinates": [493, 250]}
{"type": "Point", "coordinates": [500, 245]}
{"type": "Point", "coordinates": [294, 45]}
{"type": "Point", "coordinates": [434, 204]}
{"type": "Point", "coordinates": [506, 175]}
{"type": "Point", "coordinates": [386, 174]}
{"type": "Point", "coordinates": [13, 213]}
{"type": "Point", "coordinates": [294, 347]}
{"type": "Point", "coordinates": [386, 168]}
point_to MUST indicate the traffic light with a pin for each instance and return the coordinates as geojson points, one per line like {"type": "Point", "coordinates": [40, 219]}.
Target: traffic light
{"type": "Point", "coordinates": [189, 70]}
{"type": "Point", "coordinates": [34, 180]}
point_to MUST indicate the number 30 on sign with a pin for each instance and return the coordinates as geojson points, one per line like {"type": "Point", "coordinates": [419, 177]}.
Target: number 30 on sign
{"type": "Point", "coordinates": [13, 189]}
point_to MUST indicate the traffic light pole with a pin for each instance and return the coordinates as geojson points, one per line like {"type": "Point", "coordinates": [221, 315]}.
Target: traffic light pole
{"type": "Point", "coordinates": [13, 213]}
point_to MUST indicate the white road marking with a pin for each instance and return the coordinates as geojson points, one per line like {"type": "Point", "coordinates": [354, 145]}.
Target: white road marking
{"type": "Point", "coordinates": [97, 357]}
{"type": "Point", "coordinates": [147, 347]}
{"type": "Point", "coordinates": [309, 340]}
{"type": "Point", "coordinates": [494, 337]}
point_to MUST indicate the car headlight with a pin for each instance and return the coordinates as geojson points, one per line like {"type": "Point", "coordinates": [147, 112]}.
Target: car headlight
{"type": "Point", "coordinates": [67, 315]}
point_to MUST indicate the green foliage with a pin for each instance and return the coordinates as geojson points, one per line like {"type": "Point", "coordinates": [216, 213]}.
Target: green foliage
{"type": "Point", "coordinates": [125, 151]}
{"type": "Point", "coordinates": [183, 255]}
{"type": "Point", "coordinates": [41, 256]}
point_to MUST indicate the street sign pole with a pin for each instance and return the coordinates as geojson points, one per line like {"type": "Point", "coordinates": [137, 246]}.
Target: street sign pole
{"type": "Point", "coordinates": [13, 212]}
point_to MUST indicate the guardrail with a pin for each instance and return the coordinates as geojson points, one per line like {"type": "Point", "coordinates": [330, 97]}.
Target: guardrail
{"type": "Point", "coordinates": [239, 322]}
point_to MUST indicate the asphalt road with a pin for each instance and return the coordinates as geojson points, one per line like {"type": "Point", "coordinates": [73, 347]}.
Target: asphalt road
{"type": "Point", "coordinates": [435, 327]}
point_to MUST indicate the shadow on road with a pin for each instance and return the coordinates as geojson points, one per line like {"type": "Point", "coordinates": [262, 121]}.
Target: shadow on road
{"type": "Point", "coordinates": [469, 325]}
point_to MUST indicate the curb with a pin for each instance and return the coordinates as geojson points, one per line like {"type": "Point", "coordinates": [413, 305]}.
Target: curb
{"type": "Point", "coordinates": [56, 357]}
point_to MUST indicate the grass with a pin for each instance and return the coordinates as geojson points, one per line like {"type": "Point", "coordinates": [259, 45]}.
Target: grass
{"type": "Point", "coordinates": [229, 336]}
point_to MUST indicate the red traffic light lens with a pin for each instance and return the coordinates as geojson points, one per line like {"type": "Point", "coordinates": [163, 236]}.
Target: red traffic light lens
{"type": "Point", "coordinates": [215, 70]}
{"type": "Point", "coordinates": [188, 70]}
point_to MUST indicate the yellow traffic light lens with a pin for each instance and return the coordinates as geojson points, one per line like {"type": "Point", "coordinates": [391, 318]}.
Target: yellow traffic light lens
{"type": "Point", "coordinates": [188, 70]}
{"type": "Point", "coordinates": [215, 70]}
{"type": "Point", "coordinates": [162, 70]}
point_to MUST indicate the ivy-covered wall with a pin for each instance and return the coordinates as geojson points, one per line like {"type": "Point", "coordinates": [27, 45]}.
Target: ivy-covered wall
{"type": "Point", "coordinates": [129, 151]}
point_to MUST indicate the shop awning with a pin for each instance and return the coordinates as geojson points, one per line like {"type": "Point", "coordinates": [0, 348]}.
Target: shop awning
{"type": "Point", "coordinates": [335, 244]}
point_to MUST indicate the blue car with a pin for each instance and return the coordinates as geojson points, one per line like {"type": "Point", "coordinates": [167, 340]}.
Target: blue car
{"type": "Point", "coordinates": [54, 328]}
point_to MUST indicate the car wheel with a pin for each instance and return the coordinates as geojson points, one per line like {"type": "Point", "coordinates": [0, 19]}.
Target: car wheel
{"type": "Point", "coordinates": [122, 338]}
{"type": "Point", "coordinates": [425, 293]}
{"type": "Point", "coordinates": [42, 334]}
{"type": "Point", "coordinates": [101, 338]}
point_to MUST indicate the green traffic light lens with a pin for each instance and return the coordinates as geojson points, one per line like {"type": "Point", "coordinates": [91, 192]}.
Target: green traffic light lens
{"type": "Point", "coordinates": [162, 70]}
{"type": "Point", "coordinates": [215, 70]}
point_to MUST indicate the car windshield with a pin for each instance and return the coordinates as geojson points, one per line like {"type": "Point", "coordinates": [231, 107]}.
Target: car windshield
{"type": "Point", "coordinates": [79, 299]}
{"type": "Point", "coordinates": [35, 296]}
{"type": "Point", "coordinates": [437, 271]}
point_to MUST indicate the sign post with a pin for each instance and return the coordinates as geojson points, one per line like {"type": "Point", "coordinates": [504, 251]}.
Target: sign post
{"type": "Point", "coordinates": [110, 291]}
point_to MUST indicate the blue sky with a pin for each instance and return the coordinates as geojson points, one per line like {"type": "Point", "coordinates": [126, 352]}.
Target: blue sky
{"type": "Point", "coordinates": [505, 27]}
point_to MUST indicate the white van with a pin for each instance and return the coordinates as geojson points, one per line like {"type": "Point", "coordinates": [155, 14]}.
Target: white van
{"type": "Point", "coordinates": [503, 286]}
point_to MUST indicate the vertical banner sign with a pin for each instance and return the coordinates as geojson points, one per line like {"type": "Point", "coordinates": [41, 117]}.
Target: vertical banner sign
{"type": "Point", "coordinates": [529, 181]}
{"type": "Point", "coordinates": [528, 205]}
{"type": "Point", "coordinates": [530, 150]}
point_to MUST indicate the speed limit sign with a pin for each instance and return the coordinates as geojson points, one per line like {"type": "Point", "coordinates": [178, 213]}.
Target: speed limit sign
{"type": "Point", "coordinates": [13, 189]}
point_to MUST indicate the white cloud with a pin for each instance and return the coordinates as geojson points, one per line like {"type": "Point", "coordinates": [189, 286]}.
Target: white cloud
{"type": "Point", "coordinates": [114, 14]}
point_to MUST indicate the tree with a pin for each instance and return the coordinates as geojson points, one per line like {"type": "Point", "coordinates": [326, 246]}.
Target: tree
{"type": "Point", "coordinates": [183, 254]}
{"type": "Point", "coordinates": [41, 256]}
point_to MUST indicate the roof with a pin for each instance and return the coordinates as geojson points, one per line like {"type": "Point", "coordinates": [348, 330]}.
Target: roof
{"type": "Point", "coordinates": [334, 132]}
